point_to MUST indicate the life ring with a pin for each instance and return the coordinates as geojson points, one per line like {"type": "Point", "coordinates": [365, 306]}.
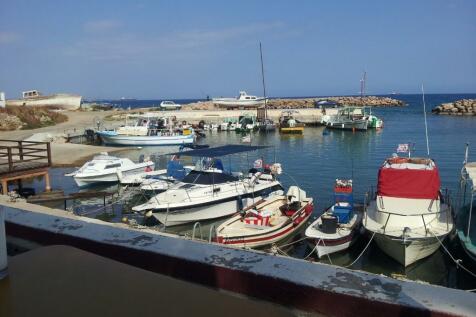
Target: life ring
{"type": "Point", "coordinates": [398, 160]}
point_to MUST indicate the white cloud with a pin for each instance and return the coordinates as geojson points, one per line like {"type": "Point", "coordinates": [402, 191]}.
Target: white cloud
{"type": "Point", "coordinates": [8, 37]}
{"type": "Point", "coordinates": [101, 25]}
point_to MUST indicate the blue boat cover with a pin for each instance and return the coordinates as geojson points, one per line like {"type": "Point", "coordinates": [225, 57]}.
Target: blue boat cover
{"type": "Point", "coordinates": [220, 150]}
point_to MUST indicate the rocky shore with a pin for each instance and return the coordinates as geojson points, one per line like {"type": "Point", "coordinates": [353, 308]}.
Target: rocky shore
{"type": "Point", "coordinates": [302, 103]}
{"type": "Point", "coordinates": [463, 107]}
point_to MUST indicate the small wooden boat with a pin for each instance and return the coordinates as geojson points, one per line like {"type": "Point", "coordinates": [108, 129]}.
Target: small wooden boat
{"type": "Point", "coordinates": [289, 125]}
{"type": "Point", "coordinates": [267, 221]}
{"type": "Point", "coordinates": [337, 228]}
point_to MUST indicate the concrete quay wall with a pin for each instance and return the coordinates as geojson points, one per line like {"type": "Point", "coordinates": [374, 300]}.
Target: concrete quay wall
{"type": "Point", "coordinates": [312, 287]}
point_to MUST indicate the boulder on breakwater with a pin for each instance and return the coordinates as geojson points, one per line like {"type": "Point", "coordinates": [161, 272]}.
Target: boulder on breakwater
{"type": "Point", "coordinates": [463, 107]}
{"type": "Point", "coordinates": [302, 103]}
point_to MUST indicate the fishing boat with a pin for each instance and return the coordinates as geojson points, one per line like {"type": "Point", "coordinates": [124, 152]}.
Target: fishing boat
{"type": "Point", "coordinates": [105, 168]}
{"type": "Point", "coordinates": [267, 125]}
{"type": "Point", "coordinates": [267, 221]}
{"type": "Point", "coordinates": [242, 101]}
{"type": "Point", "coordinates": [288, 124]}
{"type": "Point", "coordinates": [408, 215]}
{"type": "Point", "coordinates": [348, 118]}
{"type": "Point", "coordinates": [246, 123]}
{"type": "Point", "coordinates": [338, 226]}
{"type": "Point", "coordinates": [229, 124]}
{"type": "Point", "coordinates": [148, 129]}
{"type": "Point", "coordinates": [209, 192]}
{"type": "Point", "coordinates": [34, 98]}
{"type": "Point", "coordinates": [466, 223]}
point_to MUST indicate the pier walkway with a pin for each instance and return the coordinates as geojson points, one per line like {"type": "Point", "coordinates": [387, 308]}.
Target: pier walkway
{"type": "Point", "coordinates": [23, 159]}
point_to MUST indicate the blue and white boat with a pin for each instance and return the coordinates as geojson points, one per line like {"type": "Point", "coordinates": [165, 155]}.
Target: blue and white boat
{"type": "Point", "coordinates": [148, 129]}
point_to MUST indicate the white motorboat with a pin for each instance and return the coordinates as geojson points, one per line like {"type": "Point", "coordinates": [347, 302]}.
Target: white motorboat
{"type": "Point", "coordinates": [148, 129]}
{"type": "Point", "coordinates": [243, 100]}
{"type": "Point", "coordinates": [139, 178]}
{"type": "Point", "coordinates": [408, 215]}
{"type": "Point", "coordinates": [268, 221]}
{"type": "Point", "coordinates": [338, 227]}
{"type": "Point", "coordinates": [203, 195]}
{"type": "Point", "coordinates": [106, 168]}
{"type": "Point", "coordinates": [33, 98]}
{"type": "Point", "coordinates": [208, 192]}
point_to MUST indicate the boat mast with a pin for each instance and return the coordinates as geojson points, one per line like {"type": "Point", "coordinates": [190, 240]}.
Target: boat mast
{"type": "Point", "coordinates": [264, 85]}
{"type": "Point", "coordinates": [426, 125]}
{"type": "Point", "coordinates": [362, 84]}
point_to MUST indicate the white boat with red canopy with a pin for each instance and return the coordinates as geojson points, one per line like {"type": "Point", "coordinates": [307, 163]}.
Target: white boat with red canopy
{"type": "Point", "coordinates": [408, 215]}
{"type": "Point", "coordinates": [268, 221]}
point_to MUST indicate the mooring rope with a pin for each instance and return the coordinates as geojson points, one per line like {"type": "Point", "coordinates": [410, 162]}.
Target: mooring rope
{"type": "Point", "coordinates": [362, 253]}
{"type": "Point", "coordinates": [457, 261]}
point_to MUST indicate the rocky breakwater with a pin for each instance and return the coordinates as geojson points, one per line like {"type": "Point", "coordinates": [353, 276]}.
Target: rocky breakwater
{"type": "Point", "coordinates": [303, 103]}
{"type": "Point", "coordinates": [463, 107]}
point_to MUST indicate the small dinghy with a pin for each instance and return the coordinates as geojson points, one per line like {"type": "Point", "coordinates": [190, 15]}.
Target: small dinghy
{"type": "Point", "coordinates": [336, 229]}
{"type": "Point", "coordinates": [267, 221]}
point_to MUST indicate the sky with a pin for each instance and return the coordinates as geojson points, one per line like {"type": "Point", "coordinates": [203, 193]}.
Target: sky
{"type": "Point", "coordinates": [191, 49]}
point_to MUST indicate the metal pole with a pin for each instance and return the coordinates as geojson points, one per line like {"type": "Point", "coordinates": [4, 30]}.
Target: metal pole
{"type": "Point", "coordinates": [3, 245]}
{"type": "Point", "coordinates": [469, 216]}
{"type": "Point", "coordinates": [264, 86]}
{"type": "Point", "coordinates": [426, 125]}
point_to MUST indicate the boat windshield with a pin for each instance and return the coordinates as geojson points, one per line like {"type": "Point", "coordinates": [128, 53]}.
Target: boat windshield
{"type": "Point", "coordinates": [208, 178]}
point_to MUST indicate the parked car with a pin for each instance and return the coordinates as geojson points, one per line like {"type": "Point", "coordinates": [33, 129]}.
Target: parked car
{"type": "Point", "coordinates": [169, 105]}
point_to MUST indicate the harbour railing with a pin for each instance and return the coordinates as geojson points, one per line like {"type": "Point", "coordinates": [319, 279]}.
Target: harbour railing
{"type": "Point", "coordinates": [16, 156]}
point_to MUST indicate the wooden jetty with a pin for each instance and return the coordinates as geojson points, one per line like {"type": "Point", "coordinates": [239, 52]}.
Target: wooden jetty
{"type": "Point", "coordinates": [22, 160]}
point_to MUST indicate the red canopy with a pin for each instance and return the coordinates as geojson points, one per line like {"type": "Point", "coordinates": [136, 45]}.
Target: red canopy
{"type": "Point", "coordinates": [408, 183]}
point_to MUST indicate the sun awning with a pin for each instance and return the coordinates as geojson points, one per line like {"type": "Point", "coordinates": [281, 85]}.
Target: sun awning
{"type": "Point", "coordinates": [220, 150]}
{"type": "Point", "coordinates": [409, 183]}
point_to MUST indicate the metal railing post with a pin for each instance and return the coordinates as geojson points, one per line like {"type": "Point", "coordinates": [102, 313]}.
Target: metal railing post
{"type": "Point", "coordinates": [199, 228]}
{"type": "Point", "coordinates": [212, 229]}
{"type": "Point", "coordinates": [3, 245]}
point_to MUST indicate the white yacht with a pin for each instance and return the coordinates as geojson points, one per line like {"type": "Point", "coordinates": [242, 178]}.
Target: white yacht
{"type": "Point", "coordinates": [107, 168]}
{"type": "Point", "coordinates": [408, 215]}
{"type": "Point", "coordinates": [243, 100]}
{"type": "Point", "coordinates": [207, 192]}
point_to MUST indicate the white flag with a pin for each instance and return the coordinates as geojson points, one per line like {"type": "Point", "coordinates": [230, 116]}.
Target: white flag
{"type": "Point", "coordinates": [258, 163]}
{"type": "Point", "coordinates": [402, 148]}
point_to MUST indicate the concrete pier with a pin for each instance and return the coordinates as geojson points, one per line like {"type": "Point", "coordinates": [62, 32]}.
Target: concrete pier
{"type": "Point", "coordinates": [312, 287]}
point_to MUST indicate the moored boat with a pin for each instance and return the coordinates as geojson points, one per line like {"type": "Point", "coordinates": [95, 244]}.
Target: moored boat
{"type": "Point", "coordinates": [105, 168]}
{"type": "Point", "coordinates": [466, 220]}
{"type": "Point", "coordinates": [267, 221]}
{"type": "Point", "coordinates": [348, 118]}
{"type": "Point", "coordinates": [149, 129]}
{"type": "Point", "coordinates": [408, 216]}
{"type": "Point", "coordinates": [209, 192]}
{"type": "Point", "coordinates": [338, 227]}
{"type": "Point", "coordinates": [288, 124]}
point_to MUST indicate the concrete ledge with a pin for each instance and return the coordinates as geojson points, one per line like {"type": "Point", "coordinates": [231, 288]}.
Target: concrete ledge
{"type": "Point", "coordinates": [313, 287]}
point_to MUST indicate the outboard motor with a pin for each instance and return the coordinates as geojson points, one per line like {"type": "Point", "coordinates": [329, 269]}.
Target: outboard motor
{"type": "Point", "coordinates": [141, 158]}
{"type": "Point", "coordinates": [329, 224]}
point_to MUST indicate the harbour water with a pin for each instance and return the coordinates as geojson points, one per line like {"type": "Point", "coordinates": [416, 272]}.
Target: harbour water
{"type": "Point", "coordinates": [314, 160]}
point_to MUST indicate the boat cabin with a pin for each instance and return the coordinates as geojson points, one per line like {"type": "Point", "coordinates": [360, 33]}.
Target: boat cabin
{"type": "Point", "coordinates": [31, 94]}
{"type": "Point", "coordinates": [244, 96]}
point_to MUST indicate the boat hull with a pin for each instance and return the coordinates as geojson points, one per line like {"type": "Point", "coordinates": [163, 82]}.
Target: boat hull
{"type": "Point", "coordinates": [200, 213]}
{"type": "Point", "coordinates": [269, 237]}
{"type": "Point", "coordinates": [112, 177]}
{"type": "Point", "coordinates": [360, 125]}
{"type": "Point", "coordinates": [239, 103]}
{"type": "Point", "coordinates": [63, 101]}
{"type": "Point", "coordinates": [132, 140]}
{"type": "Point", "coordinates": [407, 252]}
{"type": "Point", "coordinates": [329, 246]}
{"type": "Point", "coordinates": [294, 130]}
